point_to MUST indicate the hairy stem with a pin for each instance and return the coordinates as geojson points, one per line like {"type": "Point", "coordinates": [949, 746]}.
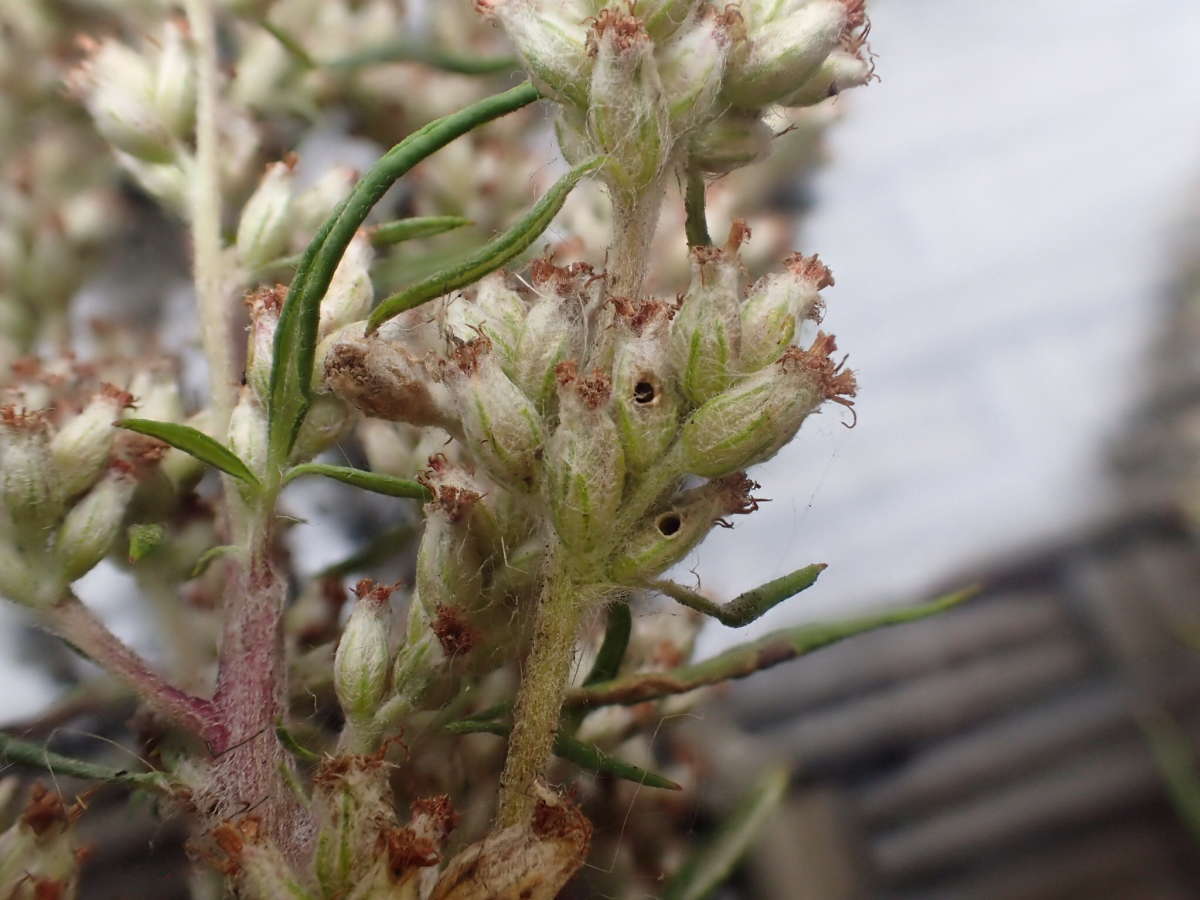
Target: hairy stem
{"type": "Point", "coordinates": [539, 701]}
{"type": "Point", "coordinates": [634, 221]}
{"type": "Point", "coordinates": [205, 209]}
{"type": "Point", "coordinates": [75, 623]}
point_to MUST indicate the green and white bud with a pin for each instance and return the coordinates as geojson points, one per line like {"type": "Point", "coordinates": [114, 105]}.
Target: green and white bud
{"type": "Point", "coordinates": [362, 661]}
{"type": "Point", "coordinates": [729, 142]}
{"type": "Point", "coordinates": [156, 395]}
{"type": "Point", "coordinates": [775, 306]}
{"type": "Point", "coordinates": [841, 70]}
{"type": "Point", "coordinates": [706, 332]}
{"type": "Point", "coordinates": [661, 18]}
{"type": "Point", "coordinates": [29, 484]}
{"type": "Point", "coordinates": [551, 39]}
{"type": "Point", "coordinates": [175, 81]}
{"type": "Point", "coordinates": [782, 49]}
{"type": "Point", "coordinates": [667, 536]}
{"type": "Point", "coordinates": [548, 339]}
{"type": "Point", "coordinates": [503, 313]}
{"type": "Point", "coordinates": [18, 582]}
{"type": "Point", "coordinates": [80, 449]}
{"type": "Point", "coordinates": [264, 307]}
{"type": "Point", "coordinates": [691, 68]}
{"type": "Point", "coordinates": [116, 83]}
{"type": "Point", "coordinates": [627, 112]}
{"type": "Point", "coordinates": [326, 421]}
{"type": "Point", "coordinates": [94, 523]}
{"type": "Point", "coordinates": [247, 436]}
{"type": "Point", "coordinates": [350, 292]}
{"type": "Point", "coordinates": [265, 227]}
{"type": "Point", "coordinates": [501, 426]}
{"type": "Point", "coordinates": [646, 405]}
{"type": "Point", "coordinates": [585, 464]}
{"type": "Point", "coordinates": [748, 423]}
{"type": "Point", "coordinates": [313, 206]}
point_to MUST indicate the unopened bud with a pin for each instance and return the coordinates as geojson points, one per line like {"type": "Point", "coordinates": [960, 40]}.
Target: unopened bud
{"type": "Point", "coordinates": [18, 582]}
{"type": "Point", "coordinates": [264, 306]}
{"type": "Point", "coordinates": [748, 423]}
{"type": "Point", "coordinates": [350, 292]}
{"type": "Point", "coordinates": [691, 67]}
{"type": "Point", "coordinates": [645, 403]}
{"type": "Point", "coordinates": [546, 341]}
{"type": "Point", "coordinates": [774, 307]}
{"type": "Point", "coordinates": [248, 434]}
{"type": "Point", "coordinates": [781, 51]}
{"type": "Point", "coordinates": [662, 18]}
{"type": "Point", "coordinates": [585, 464]}
{"type": "Point", "coordinates": [706, 332]}
{"type": "Point", "coordinates": [117, 86]}
{"type": "Point", "coordinates": [550, 36]}
{"type": "Point", "coordinates": [667, 536]}
{"type": "Point", "coordinates": [627, 114]}
{"type": "Point", "coordinates": [31, 488]}
{"type": "Point", "coordinates": [313, 206]}
{"type": "Point", "coordinates": [503, 313]}
{"type": "Point", "coordinates": [841, 70]}
{"type": "Point", "coordinates": [156, 395]}
{"type": "Point", "coordinates": [360, 666]}
{"type": "Point", "coordinates": [731, 141]}
{"type": "Point", "coordinates": [265, 225]}
{"type": "Point", "coordinates": [94, 523]}
{"type": "Point", "coordinates": [501, 425]}
{"type": "Point", "coordinates": [384, 381]}
{"type": "Point", "coordinates": [175, 82]}
{"type": "Point", "coordinates": [81, 447]}
{"type": "Point", "coordinates": [326, 421]}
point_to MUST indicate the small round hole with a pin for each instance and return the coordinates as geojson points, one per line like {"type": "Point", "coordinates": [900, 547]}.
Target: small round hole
{"type": "Point", "coordinates": [669, 524]}
{"type": "Point", "coordinates": [643, 392]}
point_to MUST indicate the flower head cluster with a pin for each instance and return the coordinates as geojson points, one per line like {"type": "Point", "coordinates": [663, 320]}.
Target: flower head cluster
{"type": "Point", "coordinates": [649, 81]}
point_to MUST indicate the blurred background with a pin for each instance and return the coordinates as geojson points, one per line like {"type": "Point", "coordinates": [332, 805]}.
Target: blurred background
{"type": "Point", "coordinates": [1009, 215]}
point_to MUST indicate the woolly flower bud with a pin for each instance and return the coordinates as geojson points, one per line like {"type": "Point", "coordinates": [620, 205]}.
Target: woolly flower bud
{"type": "Point", "coordinates": [748, 423]}
{"type": "Point", "coordinates": [645, 403]}
{"type": "Point", "coordinates": [627, 114]}
{"type": "Point", "coordinates": [360, 666]}
{"type": "Point", "coordinates": [350, 292]}
{"type": "Point", "coordinates": [548, 339]}
{"type": "Point", "coordinates": [264, 306]}
{"type": "Point", "coordinates": [502, 427]}
{"type": "Point", "coordinates": [841, 70]}
{"type": "Point", "coordinates": [38, 853]}
{"type": "Point", "coordinates": [782, 48]}
{"type": "Point", "coordinates": [325, 422]}
{"type": "Point", "coordinates": [498, 313]}
{"type": "Point", "coordinates": [662, 18]}
{"type": "Point", "coordinates": [386, 382]}
{"type": "Point", "coordinates": [265, 225]}
{"type": "Point", "coordinates": [116, 84]}
{"type": "Point", "coordinates": [669, 535]}
{"type": "Point", "coordinates": [550, 36]}
{"type": "Point", "coordinates": [691, 68]}
{"type": "Point", "coordinates": [175, 81]}
{"type": "Point", "coordinates": [585, 465]}
{"type": "Point", "coordinates": [729, 142]}
{"type": "Point", "coordinates": [17, 580]}
{"type": "Point", "coordinates": [706, 332]}
{"type": "Point", "coordinates": [156, 395]}
{"type": "Point", "coordinates": [81, 447]}
{"type": "Point", "coordinates": [29, 484]}
{"type": "Point", "coordinates": [448, 581]}
{"type": "Point", "coordinates": [248, 433]}
{"type": "Point", "coordinates": [92, 524]}
{"type": "Point", "coordinates": [775, 304]}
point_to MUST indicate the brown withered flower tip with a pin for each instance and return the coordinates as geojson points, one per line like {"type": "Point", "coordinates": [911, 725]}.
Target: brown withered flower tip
{"type": "Point", "coordinates": [638, 315]}
{"type": "Point", "coordinates": [566, 372]}
{"type": "Point", "coordinates": [20, 418]}
{"type": "Point", "coordinates": [739, 233]}
{"type": "Point", "coordinates": [407, 850]}
{"type": "Point", "coordinates": [836, 383]}
{"type": "Point", "coordinates": [468, 354]}
{"type": "Point", "coordinates": [736, 496]}
{"type": "Point", "coordinates": [367, 589]}
{"type": "Point", "coordinates": [594, 389]}
{"type": "Point", "coordinates": [563, 280]}
{"type": "Point", "coordinates": [266, 299]}
{"type": "Point", "coordinates": [456, 635]}
{"type": "Point", "coordinates": [46, 809]}
{"type": "Point", "coordinates": [561, 820]}
{"type": "Point", "coordinates": [626, 30]}
{"type": "Point", "coordinates": [809, 268]}
{"type": "Point", "coordinates": [435, 815]}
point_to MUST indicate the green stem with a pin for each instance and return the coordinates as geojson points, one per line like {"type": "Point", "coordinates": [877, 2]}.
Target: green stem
{"type": "Point", "coordinates": [539, 700]}
{"type": "Point", "coordinates": [413, 51]}
{"type": "Point", "coordinates": [744, 608]}
{"type": "Point", "coordinates": [696, 225]}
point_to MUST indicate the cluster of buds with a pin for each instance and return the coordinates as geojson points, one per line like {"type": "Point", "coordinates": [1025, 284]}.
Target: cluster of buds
{"type": "Point", "coordinates": [39, 856]}
{"type": "Point", "coordinates": [643, 82]}
{"type": "Point", "coordinates": [578, 417]}
{"type": "Point", "coordinates": [68, 476]}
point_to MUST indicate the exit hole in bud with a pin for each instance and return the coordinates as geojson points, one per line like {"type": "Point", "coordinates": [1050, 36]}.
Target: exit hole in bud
{"type": "Point", "coordinates": [643, 393]}
{"type": "Point", "coordinates": [669, 524]}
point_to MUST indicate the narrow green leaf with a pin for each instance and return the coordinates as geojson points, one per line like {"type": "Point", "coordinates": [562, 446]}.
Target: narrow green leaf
{"type": "Point", "coordinates": [709, 866]}
{"type": "Point", "coordinates": [1175, 757]}
{"type": "Point", "coordinates": [745, 608]}
{"type": "Point", "coordinates": [414, 51]}
{"type": "Point", "coordinates": [419, 227]}
{"type": "Point", "coordinates": [293, 746]}
{"type": "Point", "coordinates": [197, 443]}
{"type": "Point", "coordinates": [14, 750]}
{"type": "Point", "coordinates": [286, 41]}
{"type": "Point", "coordinates": [370, 481]}
{"type": "Point", "coordinates": [490, 256]}
{"type": "Point", "coordinates": [144, 539]}
{"type": "Point", "coordinates": [616, 641]}
{"type": "Point", "coordinates": [296, 334]}
{"type": "Point", "coordinates": [586, 756]}
{"type": "Point", "coordinates": [207, 557]}
{"type": "Point", "coordinates": [746, 659]}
